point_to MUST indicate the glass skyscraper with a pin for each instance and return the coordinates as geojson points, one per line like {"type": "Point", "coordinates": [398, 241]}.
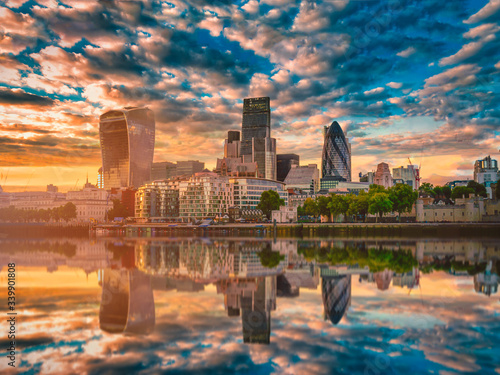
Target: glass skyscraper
{"type": "Point", "coordinates": [257, 146]}
{"type": "Point", "coordinates": [336, 159]}
{"type": "Point", "coordinates": [127, 145]}
{"type": "Point", "coordinates": [256, 122]}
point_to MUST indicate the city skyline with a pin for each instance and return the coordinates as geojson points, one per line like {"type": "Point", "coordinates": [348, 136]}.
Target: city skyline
{"type": "Point", "coordinates": [393, 75]}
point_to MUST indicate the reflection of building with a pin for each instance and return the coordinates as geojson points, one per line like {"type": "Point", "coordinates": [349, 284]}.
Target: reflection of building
{"type": "Point", "coordinates": [336, 294]}
{"type": "Point", "coordinates": [127, 145]}
{"type": "Point", "coordinates": [305, 178]}
{"type": "Point", "coordinates": [383, 279]}
{"type": "Point", "coordinates": [383, 176]}
{"type": "Point", "coordinates": [408, 279]}
{"type": "Point", "coordinates": [255, 298]}
{"type": "Point", "coordinates": [486, 282]}
{"type": "Point", "coordinates": [336, 159]}
{"type": "Point", "coordinates": [127, 303]}
{"type": "Point", "coordinates": [284, 163]}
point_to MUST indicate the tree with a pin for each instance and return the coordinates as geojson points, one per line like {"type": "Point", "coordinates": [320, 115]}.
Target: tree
{"type": "Point", "coordinates": [311, 207]}
{"type": "Point", "coordinates": [359, 205]}
{"type": "Point", "coordinates": [380, 204]}
{"type": "Point", "coordinates": [67, 212]}
{"type": "Point", "coordinates": [460, 191]}
{"type": "Point", "coordinates": [426, 189]}
{"type": "Point", "coordinates": [479, 189]}
{"type": "Point", "coordinates": [339, 204]}
{"type": "Point", "coordinates": [402, 197]}
{"type": "Point", "coordinates": [447, 191]}
{"type": "Point", "coordinates": [322, 204]}
{"type": "Point", "coordinates": [118, 210]}
{"type": "Point", "coordinates": [269, 201]}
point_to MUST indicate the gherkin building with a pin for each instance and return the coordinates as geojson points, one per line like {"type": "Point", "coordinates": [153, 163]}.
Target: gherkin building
{"type": "Point", "coordinates": [336, 159]}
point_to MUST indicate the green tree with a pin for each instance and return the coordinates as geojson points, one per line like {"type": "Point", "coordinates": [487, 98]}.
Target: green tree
{"type": "Point", "coordinates": [447, 191]}
{"type": "Point", "coordinates": [380, 204]}
{"type": "Point", "coordinates": [359, 205]}
{"type": "Point", "coordinates": [311, 207]}
{"type": "Point", "coordinates": [118, 210]}
{"type": "Point", "coordinates": [269, 201]}
{"type": "Point", "coordinates": [460, 191]}
{"type": "Point", "coordinates": [67, 212]}
{"type": "Point", "coordinates": [402, 197]}
{"type": "Point", "coordinates": [479, 189]}
{"type": "Point", "coordinates": [426, 190]}
{"type": "Point", "coordinates": [322, 203]}
{"type": "Point", "coordinates": [339, 204]}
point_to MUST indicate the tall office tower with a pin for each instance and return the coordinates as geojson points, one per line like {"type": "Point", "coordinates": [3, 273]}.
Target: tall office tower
{"type": "Point", "coordinates": [256, 122]}
{"type": "Point", "coordinates": [264, 154]}
{"type": "Point", "coordinates": [256, 142]}
{"type": "Point", "coordinates": [127, 146]}
{"type": "Point", "coordinates": [284, 163]}
{"type": "Point", "coordinates": [336, 294]}
{"type": "Point", "coordinates": [160, 171]}
{"type": "Point", "coordinates": [336, 159]}
{"type": "Point", "coordinates": [232, 144]}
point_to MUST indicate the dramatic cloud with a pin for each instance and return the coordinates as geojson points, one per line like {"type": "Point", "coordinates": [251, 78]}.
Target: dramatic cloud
{"type": "Point", "coordinates": [395, 74]}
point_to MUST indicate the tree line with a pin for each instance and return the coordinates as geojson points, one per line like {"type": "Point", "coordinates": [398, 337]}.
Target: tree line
{"type": "Point", "coordinates": [13, 214]}
{"type": "Point", "coordinates": [377, 201]}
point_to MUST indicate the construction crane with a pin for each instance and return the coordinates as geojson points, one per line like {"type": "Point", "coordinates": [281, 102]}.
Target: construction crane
{"type": "Point", "coordinates": [76, 183]}
{"type": "Point", "coordinates": [416, 174]}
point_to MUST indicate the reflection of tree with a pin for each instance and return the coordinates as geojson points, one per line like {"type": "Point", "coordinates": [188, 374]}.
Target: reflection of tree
{"type": "Point", "coordinates": [377, 259]}
{"type": "Point", "coordinates": [64, 248]}
{"type": "Point", "coordinates": [449, 263]}
{"type": "Point", "coordinates": [270, 258]}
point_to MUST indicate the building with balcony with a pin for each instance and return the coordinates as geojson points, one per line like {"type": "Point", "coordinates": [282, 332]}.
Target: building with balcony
{"type": "Point", "coordinates": [247, 190]}
{"type": "Point", "coordinates": [205, 195]}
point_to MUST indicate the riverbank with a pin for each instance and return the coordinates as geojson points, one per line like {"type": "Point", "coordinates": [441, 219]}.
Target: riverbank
{"type": "Point", "coordinates": [43, 230]}
{"type": "Point", "coordinates": [310, 230]}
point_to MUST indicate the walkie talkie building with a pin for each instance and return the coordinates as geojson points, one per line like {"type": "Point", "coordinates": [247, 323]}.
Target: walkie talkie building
{"type": "Point", "coordinates": [127, 146]}
{"type": "Point", "coordinates": [336, 159]}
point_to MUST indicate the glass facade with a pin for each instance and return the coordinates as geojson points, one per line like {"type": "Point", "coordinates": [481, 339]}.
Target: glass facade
{"type": "Point", "coordinates": [256, 122]}
{"type": "Point", "coordinates": [127, 145]}
{"type": "Point", "coordinates": [336, 159]}
{"type": "Point", "coordinates": [283, 164]}
{"type": "Point", "coordinates": [247, 191]}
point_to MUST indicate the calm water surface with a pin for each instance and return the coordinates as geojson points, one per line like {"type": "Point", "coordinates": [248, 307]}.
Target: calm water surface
{"type": "Point", "coordinates": [257, 306]}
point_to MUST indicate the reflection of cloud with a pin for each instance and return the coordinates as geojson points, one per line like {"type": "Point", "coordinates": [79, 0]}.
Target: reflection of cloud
{"type": "Point", "coordinates": [193, 334]}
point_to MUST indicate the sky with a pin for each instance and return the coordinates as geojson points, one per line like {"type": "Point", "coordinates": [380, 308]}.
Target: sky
{"type": "Point", "coordinates": [404, 78]}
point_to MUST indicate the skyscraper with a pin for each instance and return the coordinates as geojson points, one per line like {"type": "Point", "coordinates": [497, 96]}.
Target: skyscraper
{"type": "Point", "coordinates": [283, 164]}
{"type": "Point", "coordinates": [256, 122]}
{"type": "Point", "coordinates": [336, 159]}
{"type": "Point", "coordinates": [127, 146]}
{"type": "Point", "coordinates": [256, 142]}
